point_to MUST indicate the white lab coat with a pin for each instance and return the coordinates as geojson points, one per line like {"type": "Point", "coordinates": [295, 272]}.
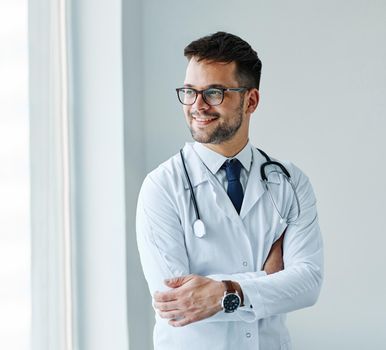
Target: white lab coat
{"type": "Point", "coordinates": [169, 248]}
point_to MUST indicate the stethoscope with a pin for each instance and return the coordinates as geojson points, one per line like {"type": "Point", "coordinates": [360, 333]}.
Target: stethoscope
{"type": "Point", "coordinates": [198, 225]}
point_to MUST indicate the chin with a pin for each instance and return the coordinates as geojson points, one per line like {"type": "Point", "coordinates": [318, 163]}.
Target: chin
{"type": "Point", "coordinates": [199, 137]}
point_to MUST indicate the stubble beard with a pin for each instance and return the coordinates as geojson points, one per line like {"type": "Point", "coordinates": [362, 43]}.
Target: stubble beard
{"type": "Point", "coordinates": [222, 133]}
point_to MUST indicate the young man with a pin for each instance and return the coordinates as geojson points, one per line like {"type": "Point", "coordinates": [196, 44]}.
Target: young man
{"type": "Point", "coordinates": [226, 255]}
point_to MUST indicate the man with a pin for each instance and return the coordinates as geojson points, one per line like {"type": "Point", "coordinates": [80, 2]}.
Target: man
{"type": "Point", "coordinates": [225, 254]}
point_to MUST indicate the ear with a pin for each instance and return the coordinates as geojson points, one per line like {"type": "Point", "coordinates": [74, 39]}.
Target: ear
{"type": "Point", "coordinates": [253, 100]}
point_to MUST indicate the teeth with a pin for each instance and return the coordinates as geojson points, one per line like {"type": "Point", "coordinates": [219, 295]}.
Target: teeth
{"type": "Point", "coordinates": [203, 120]}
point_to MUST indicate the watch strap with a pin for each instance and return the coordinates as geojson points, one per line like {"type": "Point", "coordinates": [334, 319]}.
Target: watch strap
{"type": "Point", "coordinates": [230, 288]}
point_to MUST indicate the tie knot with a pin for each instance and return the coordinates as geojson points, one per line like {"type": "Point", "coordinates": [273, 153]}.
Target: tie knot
{"type": "Point", "coordinates": [232, 168]}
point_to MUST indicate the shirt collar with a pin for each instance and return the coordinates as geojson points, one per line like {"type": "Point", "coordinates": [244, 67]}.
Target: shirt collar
{"type": "Point", "coordinates": [213, 160]}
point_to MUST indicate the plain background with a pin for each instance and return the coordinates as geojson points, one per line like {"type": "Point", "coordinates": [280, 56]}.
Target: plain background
{"type": "Point", "coordinates": [323, 106]}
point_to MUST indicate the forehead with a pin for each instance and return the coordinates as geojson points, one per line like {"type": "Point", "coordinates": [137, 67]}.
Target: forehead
{"type": "Point", "coordinates": [205, 73]}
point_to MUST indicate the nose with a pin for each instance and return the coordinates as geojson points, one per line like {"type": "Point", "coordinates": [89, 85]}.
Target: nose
{"type": "Point", "coordinates": [200, 103]}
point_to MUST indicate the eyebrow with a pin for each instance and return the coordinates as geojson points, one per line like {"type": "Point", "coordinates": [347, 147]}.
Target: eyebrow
{"type": "Point", "coordinates": [208, 87]}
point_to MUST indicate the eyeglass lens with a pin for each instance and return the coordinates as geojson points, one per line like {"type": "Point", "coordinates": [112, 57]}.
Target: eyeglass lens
{"type": "Point", "coordinates": [211, 96]}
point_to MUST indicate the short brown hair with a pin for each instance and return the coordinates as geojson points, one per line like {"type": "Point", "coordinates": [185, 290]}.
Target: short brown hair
{"type": "Point", "coordinates": [226, 47]}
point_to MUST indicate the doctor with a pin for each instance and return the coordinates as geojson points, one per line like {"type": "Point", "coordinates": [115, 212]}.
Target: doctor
{"type": "Point", "coordinates": [260, 256]}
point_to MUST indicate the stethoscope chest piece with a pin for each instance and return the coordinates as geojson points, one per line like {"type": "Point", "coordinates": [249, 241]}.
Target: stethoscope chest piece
{"type": "Point", "coordinates": [199, 229]}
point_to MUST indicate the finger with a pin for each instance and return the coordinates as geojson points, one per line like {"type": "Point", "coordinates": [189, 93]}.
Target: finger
{"type": "Point", "coordinates": [166, 306]}
{"type": "Point", "coordinates": [164, 296]}
{"type": "Point", "coordinates": [182, 322]}
{"type": "Point", "coordinates": [177, 281]}
{"type": "Point", "coordinates": [171, 315]}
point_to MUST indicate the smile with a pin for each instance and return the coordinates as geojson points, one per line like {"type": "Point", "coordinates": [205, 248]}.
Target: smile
{"type": "Point", "coordinates": [204, 121]}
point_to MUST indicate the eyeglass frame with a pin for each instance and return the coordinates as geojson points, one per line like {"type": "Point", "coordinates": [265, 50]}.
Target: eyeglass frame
{"type": "Point", "coordinates": [239, 89]}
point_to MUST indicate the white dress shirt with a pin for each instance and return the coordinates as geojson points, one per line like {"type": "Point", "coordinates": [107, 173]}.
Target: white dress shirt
{"type": "Point", "coordinates": [235, 247]}
{"type": "Point", "coordinates": [214, 161]}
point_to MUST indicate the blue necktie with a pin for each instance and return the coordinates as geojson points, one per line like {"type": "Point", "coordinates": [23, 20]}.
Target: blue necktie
{"type": "Point", "coordinates": [235, 191]}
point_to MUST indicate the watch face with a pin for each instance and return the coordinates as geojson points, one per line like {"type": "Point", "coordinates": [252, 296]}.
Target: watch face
{"type": "Point", "coordinates": [231, 302]}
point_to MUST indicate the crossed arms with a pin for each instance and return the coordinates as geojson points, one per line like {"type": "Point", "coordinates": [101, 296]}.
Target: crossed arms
{"type": "Point", "coordinates": [291, 278]}
{"type": "Point", "coordinates": [194, 298]}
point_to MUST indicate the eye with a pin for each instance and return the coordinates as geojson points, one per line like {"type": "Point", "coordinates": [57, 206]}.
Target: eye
{"type": "Point", "coordinates": [213, 93]}
{"type": "Point", "coordinates": [189, 92]}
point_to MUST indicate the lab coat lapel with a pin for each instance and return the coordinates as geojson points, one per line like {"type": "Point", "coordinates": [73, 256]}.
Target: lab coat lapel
{"type": "Point", "coordinates": [196, 169]}
{"type": "Point", "coordinates": [255, 187]}
{"type": "Point", "coordinates": [199, 174]}
{"type": "Point", "coordinates": [222, 200]}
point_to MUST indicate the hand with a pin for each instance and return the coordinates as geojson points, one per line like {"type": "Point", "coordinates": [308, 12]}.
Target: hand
{"type": "Point", "coordinates": [192, 299]}
{"type": "Point", "coordinates": [274, 262]}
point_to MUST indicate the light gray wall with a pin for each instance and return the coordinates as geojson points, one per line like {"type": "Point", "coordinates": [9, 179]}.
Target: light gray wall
{"type": "Point", "coordinates": [140, 313]}
{"type": "Point", "coordinates": [97, 181]}
{"type": "Point", "coordinates": [322, 106]}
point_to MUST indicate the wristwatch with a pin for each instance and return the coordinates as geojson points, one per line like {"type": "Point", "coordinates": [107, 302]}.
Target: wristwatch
{"type": "Point", "coordinates": [231, 299]}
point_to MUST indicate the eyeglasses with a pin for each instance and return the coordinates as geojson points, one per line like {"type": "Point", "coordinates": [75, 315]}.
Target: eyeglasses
{"type": "Point", "coordinates": [212, 96]}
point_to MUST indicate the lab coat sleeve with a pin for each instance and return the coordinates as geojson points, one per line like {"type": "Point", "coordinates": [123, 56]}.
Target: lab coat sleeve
{"type": "Point", "coordinates": [161, 243]}
{"type": "Point", "coordinates": [298, 285]}
{"type": "Point", "coordinates": [160, 238]}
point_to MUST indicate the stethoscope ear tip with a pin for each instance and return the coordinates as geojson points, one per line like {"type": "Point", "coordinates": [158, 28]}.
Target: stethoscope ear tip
{"type": "Point", "coordinates": [199, 229]}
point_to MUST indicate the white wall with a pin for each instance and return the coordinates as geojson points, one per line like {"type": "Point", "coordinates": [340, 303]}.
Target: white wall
{"type": "Point", "coordinates": [98, 181]}
{"type": "Point", "coordinates": [322, 106]}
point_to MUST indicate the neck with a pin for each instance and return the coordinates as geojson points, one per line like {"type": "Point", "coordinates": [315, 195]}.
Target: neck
{"type": "Point", "coordinates": [227, 149]}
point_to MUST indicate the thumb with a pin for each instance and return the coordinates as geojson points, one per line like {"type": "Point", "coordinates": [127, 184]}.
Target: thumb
{"type": "Point", "coordinates": [176, 281]}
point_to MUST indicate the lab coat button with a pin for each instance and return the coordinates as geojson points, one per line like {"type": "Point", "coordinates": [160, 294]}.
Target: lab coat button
{"type": "Point", "coordinates": [245, 263]}
{"type": "Point", "coordinates": [248, 335]}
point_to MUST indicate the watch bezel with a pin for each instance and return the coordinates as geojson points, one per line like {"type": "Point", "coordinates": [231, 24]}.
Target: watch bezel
{"type": "Point", "coordinates": [229, 296]}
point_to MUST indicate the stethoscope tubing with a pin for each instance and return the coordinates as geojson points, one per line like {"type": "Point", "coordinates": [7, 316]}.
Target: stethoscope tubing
{"type": "Point", "coordinates": [264, 178]}
{"type": "Point", "coordinates": [192, 196]}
